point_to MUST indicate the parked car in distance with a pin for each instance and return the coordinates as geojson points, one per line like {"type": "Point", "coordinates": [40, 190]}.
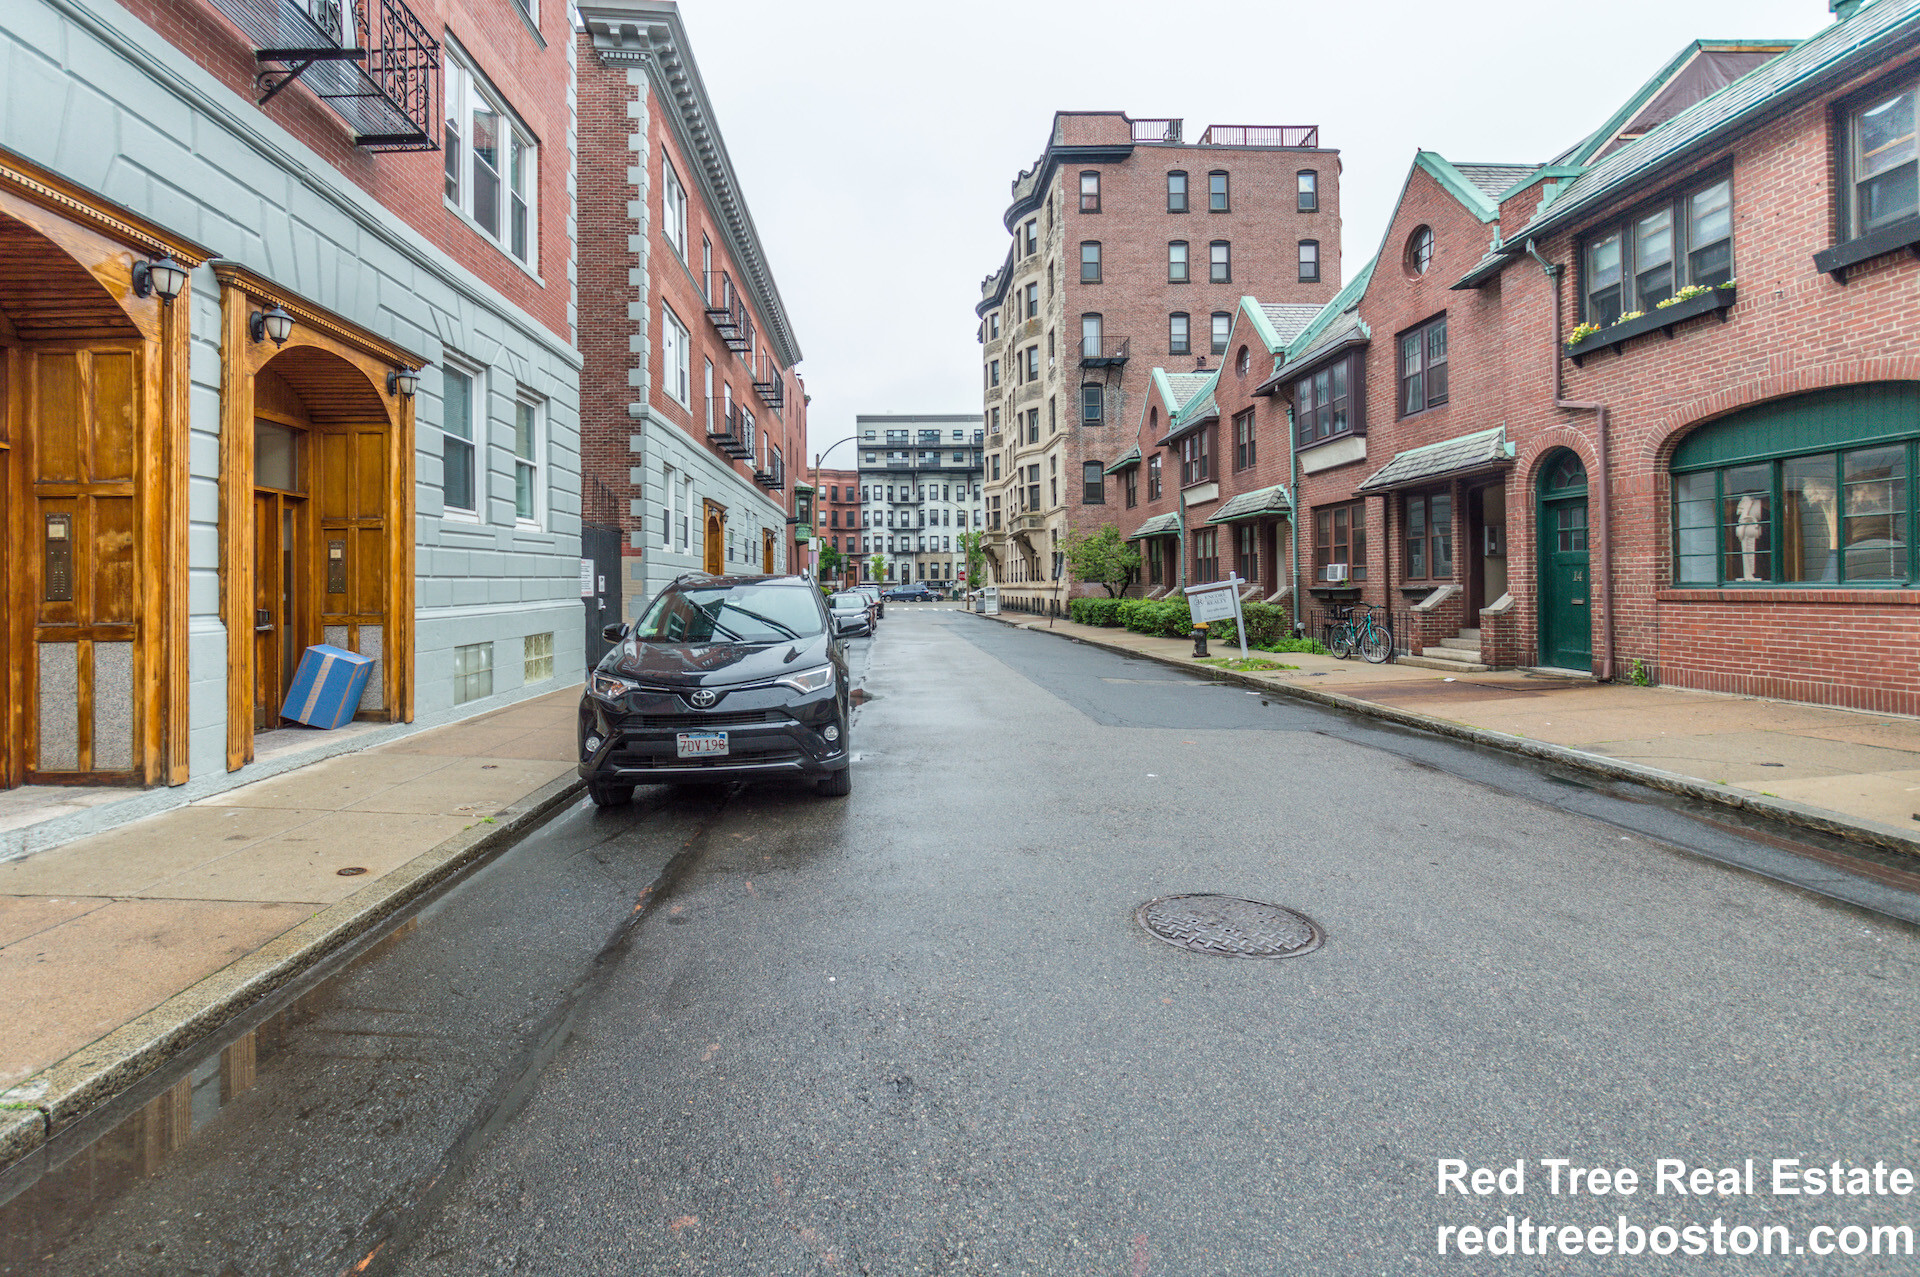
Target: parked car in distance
{"type": "Point", "coordinates": [721, 678]}
{"type": "Point", "coordinates": [852, 613]}
{"type": "Point", "coordinates": [873, 593]}
{"type": "Point", "coordinates": [912, 592]}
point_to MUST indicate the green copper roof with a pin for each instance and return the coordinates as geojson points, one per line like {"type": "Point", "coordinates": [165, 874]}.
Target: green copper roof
{"type": "Point", "coordinates": [1128, 459]}
{"type": "Point", "coordinates": [1159, 525]}
{"type": "Point", "coordinates": [1253, 505]}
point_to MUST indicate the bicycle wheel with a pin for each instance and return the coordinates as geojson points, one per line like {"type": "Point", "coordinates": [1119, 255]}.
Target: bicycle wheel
{"type": "Point", "coordinates": [1376, 643]}
{"type": "Point", "coordinates": [1340, 642]}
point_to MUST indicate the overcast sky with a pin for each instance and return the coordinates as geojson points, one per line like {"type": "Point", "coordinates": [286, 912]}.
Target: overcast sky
{"type": "Point", "coordinates": [876, 142]}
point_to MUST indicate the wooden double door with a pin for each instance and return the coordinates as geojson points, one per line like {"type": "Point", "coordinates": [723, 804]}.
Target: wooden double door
{"type": "Point", "coordinates": [319, 544]}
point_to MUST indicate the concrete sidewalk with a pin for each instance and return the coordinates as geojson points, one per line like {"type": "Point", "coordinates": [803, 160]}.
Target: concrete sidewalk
{"type": "Point", "coordinates": [1835, 770]}
{"type": "Point", "coordinates": [121, 949]}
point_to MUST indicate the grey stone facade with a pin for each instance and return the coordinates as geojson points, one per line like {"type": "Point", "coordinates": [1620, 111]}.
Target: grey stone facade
{"type": "Point", "coordinates": [95, 96]}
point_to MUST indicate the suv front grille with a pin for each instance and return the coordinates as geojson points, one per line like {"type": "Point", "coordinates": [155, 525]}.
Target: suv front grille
{"type": "Point", "coordinates": [704, 722]}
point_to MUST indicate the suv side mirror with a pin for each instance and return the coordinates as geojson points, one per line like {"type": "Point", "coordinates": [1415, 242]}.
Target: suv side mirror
{"type": "Point", "coordinates": [614, 633]}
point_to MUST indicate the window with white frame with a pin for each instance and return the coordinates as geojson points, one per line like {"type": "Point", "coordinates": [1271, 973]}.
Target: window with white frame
{"type": "Point", "coordinates": [527, 436]}
{"type": "Point", "coordinates": [492, 168]}
{"type": "Point", "coordinates": [673, 204]}
{"type": "Point", "coordinates": [670, 507]}
{"type": "Point", "coordinates": [456, 448]}
{"type": "Point", "coordinates": [675, 355]}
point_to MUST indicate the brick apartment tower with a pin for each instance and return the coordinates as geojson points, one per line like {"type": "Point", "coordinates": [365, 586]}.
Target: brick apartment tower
{"type": "Point", "coordinates": [691, 410]}
{"type": "Point", "coordinates": [1131, 248]}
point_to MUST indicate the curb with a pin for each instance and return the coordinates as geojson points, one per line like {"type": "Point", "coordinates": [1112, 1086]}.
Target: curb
{"type": "Point", "coordinates": [64, 1092]}
{"type": "Point", "coordinates": [1781, 810]}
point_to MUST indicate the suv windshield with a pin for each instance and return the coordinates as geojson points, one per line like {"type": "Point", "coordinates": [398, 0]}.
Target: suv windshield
{"type": "Point", "coordinates": [732, 614]}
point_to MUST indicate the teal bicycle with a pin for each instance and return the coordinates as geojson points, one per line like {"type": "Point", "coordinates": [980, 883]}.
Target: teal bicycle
{"type": "Point", "coordinates": [1371, 637]}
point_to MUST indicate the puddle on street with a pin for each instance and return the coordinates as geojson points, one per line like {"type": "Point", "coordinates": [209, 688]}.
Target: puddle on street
{"type": "Point", "coordinates": [53, 1194]}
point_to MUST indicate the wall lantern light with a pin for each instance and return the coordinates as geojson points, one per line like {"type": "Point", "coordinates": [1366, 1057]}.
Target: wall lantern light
{"type": "Point", "coordinates": [403, 382]}
{"type": "Point", "coordinates": [276, 324]}
{"type": "Point", "coordinates": [163, 275]}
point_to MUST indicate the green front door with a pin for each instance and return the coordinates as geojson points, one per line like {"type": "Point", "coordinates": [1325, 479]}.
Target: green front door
{"type": "Point", "coordinates": [1566, 600]}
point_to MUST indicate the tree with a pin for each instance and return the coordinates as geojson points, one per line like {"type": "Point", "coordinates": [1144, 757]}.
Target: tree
{"type": "Point", "coordinates": [877, 567]}
{"type": "Point", "coordinates": [970, 545]}
{"type": "Point", "coordinates": [830, 562]}
{"type": "Point", "coordinates": [1103, 559]}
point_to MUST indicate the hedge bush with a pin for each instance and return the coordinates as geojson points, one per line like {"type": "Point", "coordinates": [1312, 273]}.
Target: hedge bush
{"type": "Point", "coordinates": [1095, 611]}
{"type": "Point", "coordinates": [1167, 617]}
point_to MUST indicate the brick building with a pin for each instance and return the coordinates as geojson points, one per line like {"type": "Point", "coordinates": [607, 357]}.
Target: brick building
{"type": "Point", "coordinates": [837, 522]}
{"type": "Point", "coordinates": [691, 410]}
{"type": "Point", "coordinates": [1677, 419]}
{"type": "Point", "coordinates": [1130, 247]}
{"type": "Point", "coordinates": [920, 488]}
{"type": "Point", "coordinates": [288, 347]}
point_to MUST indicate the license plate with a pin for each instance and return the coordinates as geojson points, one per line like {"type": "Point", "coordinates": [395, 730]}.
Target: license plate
{"type": "Point", "coordinates": [701, 744]}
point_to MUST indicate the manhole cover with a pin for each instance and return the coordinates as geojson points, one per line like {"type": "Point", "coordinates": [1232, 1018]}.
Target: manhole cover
{"type": "Point", "coordinates": [1228, 927]}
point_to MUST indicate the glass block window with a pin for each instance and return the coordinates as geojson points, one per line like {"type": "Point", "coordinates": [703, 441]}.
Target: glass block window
{"type": "Point", "coordinates": [539, 657]}
{"type": "Point", "coordinates": [472, 672]}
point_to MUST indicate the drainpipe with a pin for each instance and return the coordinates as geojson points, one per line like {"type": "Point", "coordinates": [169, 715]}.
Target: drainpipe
{"type": "Point", "coordinates": [1293, 520]}
{"type": "Point", "coordinates": [1603, 490]}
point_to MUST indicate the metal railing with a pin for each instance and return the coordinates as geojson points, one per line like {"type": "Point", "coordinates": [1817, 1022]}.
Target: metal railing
{"type": "Point", "coordinates": [1320, 623]}
{"type": "Point", "coordinates": [1304, 135]}
{"type": "Point", "coordinates": [767, 381]}
{"type": "Point", "coordinates": [372, 61]}
{"type": "Point", "coordinates": [1101, 352]}
{"type": "Point", "coordinates": [1156, 130]}
{"type": "Point", "coordinates": [727, 436]}
{"type": "Point", "coordinates": [727, 311]}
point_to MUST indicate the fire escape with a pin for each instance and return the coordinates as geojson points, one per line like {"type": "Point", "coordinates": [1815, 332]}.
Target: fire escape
{"type": "Point", "coordinates": [372, 61]}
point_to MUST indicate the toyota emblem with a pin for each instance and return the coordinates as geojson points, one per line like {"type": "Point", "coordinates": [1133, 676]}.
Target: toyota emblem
{"type": "Point", "coordinates": [704, 699]}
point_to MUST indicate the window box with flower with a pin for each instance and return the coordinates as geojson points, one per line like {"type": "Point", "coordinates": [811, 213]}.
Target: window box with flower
{"type": "Point", "coordinates": [1689, 303]}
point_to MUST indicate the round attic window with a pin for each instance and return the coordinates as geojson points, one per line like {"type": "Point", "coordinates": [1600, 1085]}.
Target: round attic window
{"type": "Point", "coordinates": [1419, 250]}
{"type": "Point", "coordinates": [1243, 361]}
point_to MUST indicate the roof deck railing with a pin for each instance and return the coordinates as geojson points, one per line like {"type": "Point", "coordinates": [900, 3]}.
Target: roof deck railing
{"type": "Point", "coordinates": [1294, 135]}
{"type": "Point", "coordinates": [1156, 130]}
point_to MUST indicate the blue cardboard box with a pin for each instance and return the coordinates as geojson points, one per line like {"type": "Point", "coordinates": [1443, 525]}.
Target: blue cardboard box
{"type": "Point", "coordinates": [327, 688]}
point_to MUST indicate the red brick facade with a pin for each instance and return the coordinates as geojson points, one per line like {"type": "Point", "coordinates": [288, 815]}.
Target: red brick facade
{"type": "Point", "coordinates": [530, 72]}
{"type": "Point", "coordinates": [1789, 330]}
{"type": "Point", "coordinates": [628, 134]}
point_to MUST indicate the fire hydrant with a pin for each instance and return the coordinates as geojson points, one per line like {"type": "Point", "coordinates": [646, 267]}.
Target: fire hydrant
{"type": "Point", "coordinates": [1199, 639]}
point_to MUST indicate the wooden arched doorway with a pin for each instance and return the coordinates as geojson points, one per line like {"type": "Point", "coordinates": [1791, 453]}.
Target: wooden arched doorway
{"type": "Point", "coordinates": [713, 546]}
{"type": "Point", "coordinates": [316, 511]}
{"type": "Point", "coordinates": [93, 509]}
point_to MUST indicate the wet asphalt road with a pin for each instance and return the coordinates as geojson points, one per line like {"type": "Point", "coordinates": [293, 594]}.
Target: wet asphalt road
{"type": "Point", "coordinates": [918, 1031]}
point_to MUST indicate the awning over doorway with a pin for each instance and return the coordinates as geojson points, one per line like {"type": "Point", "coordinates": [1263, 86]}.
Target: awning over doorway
{"type": "Point", "coordinates": [1477, 451]}
{"type": "Point", "coordinates": [1131, 457]}
{"type": "Point", "coordinates": [1258, 504]}
{"type": "Point", "coordinates": [1161, 525]}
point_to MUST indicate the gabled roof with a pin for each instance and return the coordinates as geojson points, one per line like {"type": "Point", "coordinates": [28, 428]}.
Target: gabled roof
{"type": "Point", "coordinates": [1252, 505]}
{"type": "Point", "coordinates": [1343, 311]}
{"type": "Point", "coordinates": [1700, 69]}
{"type": "Point", "coordinates": [1476, 186]}
{"type": "Point", "coordinates": [1128, 459]}
{"type": "Point", "coordinates": [1198, 407]}
{"type": "Point", "coordinates": [1475, 451]}
{"type": "Point", "coordinates": [1781, 84]}
{"type": "Point", "coordinates": [1287, 320]}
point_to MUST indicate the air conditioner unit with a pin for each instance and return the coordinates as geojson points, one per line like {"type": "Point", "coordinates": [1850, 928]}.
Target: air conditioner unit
{"type": "Point", "coordinates": [1336, 572]}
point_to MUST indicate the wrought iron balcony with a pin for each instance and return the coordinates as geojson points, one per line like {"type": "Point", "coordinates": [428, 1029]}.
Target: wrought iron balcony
{"type": "Point", "coordinates": [727, 311]}
{"type": "Point", "coordinates": [768, 383]}
{"type": "Point", "coordinates": [727, 435]}
{"type": "Point", "coordinates": [1103, 352]}
{"type": "Point", "coordinates": [772, 474]}
{"type": "Point", "coordinates": [372, 61]}
{"type": "Point", "coordinates": [1156, 130]}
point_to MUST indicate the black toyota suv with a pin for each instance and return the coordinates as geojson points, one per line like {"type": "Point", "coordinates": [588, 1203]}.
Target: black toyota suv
{"type": "Point", "coordinates": [723, 677]}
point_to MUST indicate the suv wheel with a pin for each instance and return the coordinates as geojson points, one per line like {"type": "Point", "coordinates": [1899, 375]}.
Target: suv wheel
{"type": "Point", "coordinates": [838, 785]}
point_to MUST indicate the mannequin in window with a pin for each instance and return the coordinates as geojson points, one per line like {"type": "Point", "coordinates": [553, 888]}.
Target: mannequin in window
{"type": "Point", "coordinates": [1746, 518]}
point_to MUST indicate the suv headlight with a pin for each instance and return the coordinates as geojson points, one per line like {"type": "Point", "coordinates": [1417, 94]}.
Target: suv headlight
{"type": "Point", "coordinates": [610, 687]}
{"type": "Point", "coordinates": [814, 680]}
